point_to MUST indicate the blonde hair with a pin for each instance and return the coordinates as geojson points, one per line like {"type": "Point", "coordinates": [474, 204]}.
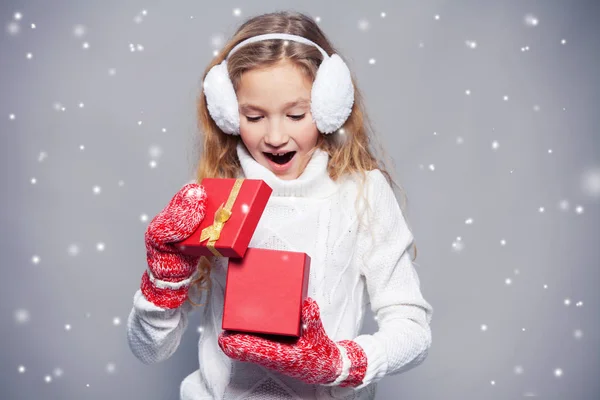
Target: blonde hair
{"type": "Point", "coordinates": [350, 153]}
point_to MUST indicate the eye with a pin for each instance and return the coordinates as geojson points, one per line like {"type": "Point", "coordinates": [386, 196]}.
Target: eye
{"type": "Point", "coordinates": [297, 117]}
{"type": "Point", "coordinates": [253, 119]}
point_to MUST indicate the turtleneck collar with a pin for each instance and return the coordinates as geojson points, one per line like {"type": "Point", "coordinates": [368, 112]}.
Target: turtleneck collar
{"type": "Point", "coordinates": [313, 182]}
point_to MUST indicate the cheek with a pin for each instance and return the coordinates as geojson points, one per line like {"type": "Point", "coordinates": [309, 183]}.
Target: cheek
{"type": "Point", "coordinates": [307, 133]}
{"type": "Point", "coordinates": [249, 134]}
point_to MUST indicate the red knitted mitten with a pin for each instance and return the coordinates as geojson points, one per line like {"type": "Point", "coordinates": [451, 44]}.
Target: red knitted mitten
{"type": "Point", "coordinates": [166, 281]}
{"type": "Point", "coordinates": [313, 358]}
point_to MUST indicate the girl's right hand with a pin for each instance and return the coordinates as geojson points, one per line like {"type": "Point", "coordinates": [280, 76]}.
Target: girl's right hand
{"type": "Point", "coordinates": [166, 281]}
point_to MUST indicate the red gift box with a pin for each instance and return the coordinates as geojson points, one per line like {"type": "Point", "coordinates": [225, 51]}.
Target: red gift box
{"type": "Point", "coordinates": [265, 291]}
{"type": "Point", "coordinates": [233, 209]}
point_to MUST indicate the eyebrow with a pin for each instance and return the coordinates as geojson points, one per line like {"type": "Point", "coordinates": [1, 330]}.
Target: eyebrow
{"type": "Point", "coordinates": [289, 104]}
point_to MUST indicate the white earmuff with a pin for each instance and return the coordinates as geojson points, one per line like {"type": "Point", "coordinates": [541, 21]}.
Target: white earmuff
{"type": "Point", "coordinates": [332, 95]}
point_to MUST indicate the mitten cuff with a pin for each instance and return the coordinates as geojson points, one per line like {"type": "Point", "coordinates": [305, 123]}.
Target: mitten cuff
{"type": "Point", "coordinates": [358, 361]}
{"type": "Point", "coordinates": [345, 367]}
{"type": "Point", "coordinates": [164, 294]}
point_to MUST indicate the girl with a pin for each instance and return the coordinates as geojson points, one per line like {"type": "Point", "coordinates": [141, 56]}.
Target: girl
{"type": "Point", "coordinates": [281, 106]}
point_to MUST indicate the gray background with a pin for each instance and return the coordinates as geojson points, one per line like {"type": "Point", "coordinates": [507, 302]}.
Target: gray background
{"type": "Point", "coordinates": [54, 273]}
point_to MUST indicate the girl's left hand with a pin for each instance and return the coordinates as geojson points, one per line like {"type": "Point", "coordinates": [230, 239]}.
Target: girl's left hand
{"type": "Point", "coordinates": [313, 358]}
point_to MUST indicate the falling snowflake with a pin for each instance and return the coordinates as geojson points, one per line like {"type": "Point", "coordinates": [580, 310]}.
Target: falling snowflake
{"type": "Point", "coordinates": [458, 245]}
{"type": "Point", "coordinates": [13, 28]}
{"type": "Point", "coordinates": [79, 30]}
{"type": "Point", "coordinates": [22, 316]}
{"type": "Point", "coordinates": [73, 250]}
{"type": "Point", "coordinates": [531, 20]}
{"type": "Point", "coordinates": [155, 151]}
{"type": "Point", "coordinates": [518, 370]}
{"type": "Point", "coordinates": [590, 182]}
{"type": "Point", "coordinates": [363, 25]}
{"type": "Point", "coordinates": [217, 40]}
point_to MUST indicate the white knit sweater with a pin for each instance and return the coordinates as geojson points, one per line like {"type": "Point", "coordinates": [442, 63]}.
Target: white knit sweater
{"type": "Point", "coordinates": [351, 265]}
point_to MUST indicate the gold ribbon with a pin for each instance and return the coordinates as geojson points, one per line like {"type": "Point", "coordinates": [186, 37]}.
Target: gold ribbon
{"type": "Point", "coordinates": [222, 215]}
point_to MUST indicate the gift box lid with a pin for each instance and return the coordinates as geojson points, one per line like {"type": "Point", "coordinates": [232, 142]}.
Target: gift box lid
{"type": "Point", "coordinates": [247, 206]}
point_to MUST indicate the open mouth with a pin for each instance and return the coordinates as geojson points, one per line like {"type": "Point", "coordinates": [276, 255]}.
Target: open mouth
{"type": "Point", "coordinates": [280, 158]}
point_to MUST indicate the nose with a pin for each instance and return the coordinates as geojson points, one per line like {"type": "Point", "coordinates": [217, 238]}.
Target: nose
{"type": "Point", "coordinates": [275, 136]}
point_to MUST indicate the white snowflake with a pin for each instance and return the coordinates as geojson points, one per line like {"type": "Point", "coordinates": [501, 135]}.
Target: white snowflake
{"type": "Point", "coordinates": [73, 250]}
{"type": "Point", "coordinates": [518, 370]}
{"type": "Point", "coordinates": [22, 316]}
{"type": "Point", "coordinates": [217, 40]}
{"type": "Point", "coordinates": [590, 182]}
{"type": "Point", "coordinates": [458, 245]}
{"type": "Point", "coordinates": [363, 25]}
{"type": "Point", "coordinates": [79, 30]}
{"type": "Point", "coordinates": [155, 151]}
{"type": "Point", "coordinates": [110, 368]}
{"type": "Point", "coordinates": [471, 44]}
{"type": "Point", "coordinates": [13, 28]}
{"type": "Point", "coordinates": [531, 20]}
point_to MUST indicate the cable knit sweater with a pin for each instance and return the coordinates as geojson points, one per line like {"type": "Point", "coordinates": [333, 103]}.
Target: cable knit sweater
{"type": "Point", "coordinates": [352, 265]}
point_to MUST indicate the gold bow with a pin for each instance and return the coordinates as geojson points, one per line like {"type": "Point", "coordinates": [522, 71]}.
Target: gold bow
{"type": "Point", "coordinates": [222, 215]}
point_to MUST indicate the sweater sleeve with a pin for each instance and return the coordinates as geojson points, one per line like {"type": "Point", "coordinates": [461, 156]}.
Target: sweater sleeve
{"type": "Point", "coordinates": [154, 333]}
{"type": "Point", "coordinates": [403, 315]}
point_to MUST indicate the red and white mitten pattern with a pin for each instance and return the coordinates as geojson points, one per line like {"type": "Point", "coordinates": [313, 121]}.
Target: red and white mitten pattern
{"type": "Point", "coordinates": [166, 281]}
{"type": "Point", "coordinates": [313, 358]}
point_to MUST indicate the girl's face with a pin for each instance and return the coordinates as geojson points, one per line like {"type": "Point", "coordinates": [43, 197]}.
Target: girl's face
{"type": "Point", "coordinates": [276, 124]}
